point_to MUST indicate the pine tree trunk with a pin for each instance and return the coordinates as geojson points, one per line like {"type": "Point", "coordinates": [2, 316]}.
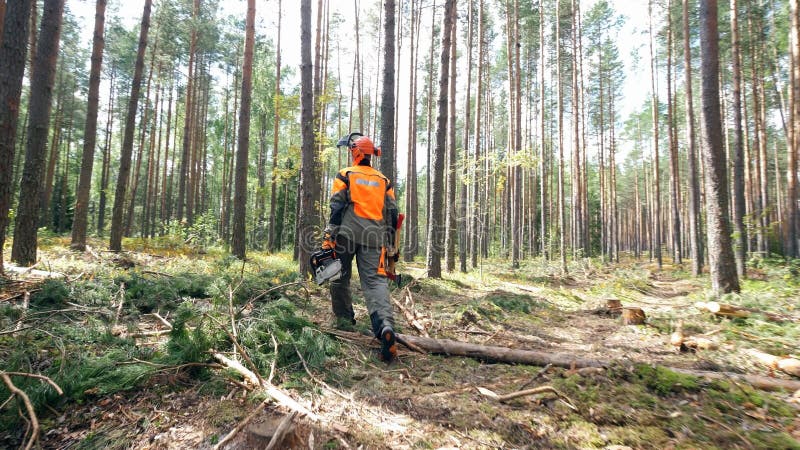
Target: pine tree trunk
{"type": "Point", "coordinates": [562, 236]}
{"type": "Point", "coordinates": [55, 150]}
{"type": "Point", "coordinates": [239, 236]}
{"type": "Point", "coordinates": [721, 262]}
{"type": "Point", "coordinates": [187, 120]}
{"type": "Point", "coordinates": [115, 243]}
{"type": "Point", "coordinates": [429, 118]}
{"type": "Point", "coordinates": [462, 204]}
{"type": "Point", "coordinates": [277, 119]}
{"type": "Point", "coordinates": [656, 172]}
{"type": "Point", "coordinates": [695, 237]}
{"type": "Point", "coordinates": [543, 192]}
{"type": "Point", "coordinates": [105, 171]}
{"type": "Point", "coordinates": [477, 207]}
{"type": "Point", "coordinates": [411, 241]}
{"type": "Point", "coordinates": [388, 96]}
{"type": "Point", "coordinates": [436, 225]}
{"type": "Point", "coordinates": [13, 48]}
{"type": "Point", "coordinates": [740, 244]}
{"type": "Point", "coordinates": [90, 131]}
{"type": "Point", "coordinates": [450, 218]}
{"type": "Point", "coordinates": [309, 177]}
{"type": "Point", "coordinates": [792, 247]}
{"type": "Point", "coordinates": [23, 250]}
{"type": "Point", "coordinates": [674, 174]}
{"type": "Point", "coordinates": [517, 210]}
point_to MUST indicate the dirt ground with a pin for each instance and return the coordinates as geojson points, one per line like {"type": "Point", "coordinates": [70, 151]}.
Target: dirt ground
{"type": "Point", "coordinates": [440, 401]}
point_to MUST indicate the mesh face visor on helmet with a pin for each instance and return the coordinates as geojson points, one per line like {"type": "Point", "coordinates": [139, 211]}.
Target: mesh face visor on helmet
{"type": "Point", "coordinates": [349, 140]}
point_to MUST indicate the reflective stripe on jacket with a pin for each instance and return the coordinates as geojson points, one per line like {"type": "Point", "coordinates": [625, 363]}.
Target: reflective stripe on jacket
{"type": "Point", "coordinates": [363, 207]}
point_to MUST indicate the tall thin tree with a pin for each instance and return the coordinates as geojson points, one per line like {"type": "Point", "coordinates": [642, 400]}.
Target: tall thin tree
{"type": "Point", "coordinates": [309, 178]}
{"type": "Point", "coordinates": [13, 49]}
{"type": "Point", "coordinates": [436, 208]}
{"type": "Point", "coordinates": [720, 252]}
{"type": "Point", "coordinates": [792, 247]}
{"type": "Point", "coordinates": [273, 244]}
{"type": "Point", "coordinates": [23, 250]}
{"type": "Point", "coordinates": [656, 171]}
{"type": "Point", "coordinates": [740, 244]}
{"type": "Point", "coordinates": [239, 236]}
{"type": "Point", "coordinates": [695, 237]}
{"type": "Point", "coordinates": [90, 131]}
{"type": "Point", "coordinates": [117, 225]}
{"type": "Point", "coordinates": [388, 96]}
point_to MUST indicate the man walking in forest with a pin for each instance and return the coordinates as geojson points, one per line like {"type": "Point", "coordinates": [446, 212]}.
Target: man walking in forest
{"type": "Point", "coordinates": [362, 225]}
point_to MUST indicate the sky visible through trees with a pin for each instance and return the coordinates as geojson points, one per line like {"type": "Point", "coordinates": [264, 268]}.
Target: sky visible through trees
{"type": "Point", "coordinates": [632, 50]}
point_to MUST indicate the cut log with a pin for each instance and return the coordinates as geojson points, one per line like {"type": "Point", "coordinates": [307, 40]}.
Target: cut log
{"type": "Point", "coordinates": [700, 343]}
{"type": "Point", "coordinates": [677, 337]}
{"type": "Point", "coordinates": [502, 354]}
{"type": "Point", "coordinates": [633, 316]}
{"type": "Point", "coordinates": [787, 365]}
{"type": "Point", "coordinates": [613, 303]}
{"type": "Point", "coordinates": [722, 309]}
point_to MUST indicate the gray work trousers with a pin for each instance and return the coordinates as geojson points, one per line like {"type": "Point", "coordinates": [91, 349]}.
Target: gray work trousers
{"type": "Point", "coordinates": [374, 285]}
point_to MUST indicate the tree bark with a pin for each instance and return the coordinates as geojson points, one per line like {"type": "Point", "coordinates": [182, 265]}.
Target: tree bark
{"type": "Point", "coordinates": [239, 236]}
{"type": "Point", "coordinates": [23, 250]}
{"type": "Point", "coordinates": [13, 49]}
{"type": "Point", "coordinates": [435, 215]}
{"type": "Point", "coordinates": [477, 207]}
{"type": "Point", "coordinates": [309, 176]}
{"type": "Point", "coordinates": [674, 169]}
{"type": "Point", "coordinates": [740, 231]}
{"type": "Point", "coordinates": [450, 178]}
{"type": "Point", "coordinates": [411, 241]}
{"type": "Point", "coordinates": [721, 262]}
{"type": "Point", "coordinates": [656, 172]}
{"type": "Point", "coordinates": [792, 247]}
{"type": "Point", "coordinates": [562, 235]}
{"type": "Point", "coordinates": [695, 237]}
{"type": "Point", "coordinates": [115, 243]}
{"type": "Point", "coordinates": [90, 131]}
{"type": "Point", "coordinates": [106, 164]}
{"type": "Point", "coordinates": [462, 204]}
{"type": "Point", "coordinates": [273, 244]}
{"type": "Point", "coordinates": [388, 96]}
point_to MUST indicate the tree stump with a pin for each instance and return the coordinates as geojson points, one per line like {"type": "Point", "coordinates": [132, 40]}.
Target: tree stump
{"type": "Point", "coordinates": [633, 316]}
{"type": "Point", "coordinates": [613, 303]}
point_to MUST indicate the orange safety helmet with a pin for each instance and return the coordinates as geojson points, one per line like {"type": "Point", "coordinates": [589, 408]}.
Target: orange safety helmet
{"type": "Point", "coordinates": [359, 146]}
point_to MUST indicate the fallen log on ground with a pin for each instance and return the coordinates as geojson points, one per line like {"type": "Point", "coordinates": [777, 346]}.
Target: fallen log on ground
{"type": "Point", "coordinates": [565, 360]}
{"type": "Point", "coordinates": [502, 354]}
{"type": "Point", "coordinates": [732, 311]}
{"type": "Point", "coordinates": [788, 365]}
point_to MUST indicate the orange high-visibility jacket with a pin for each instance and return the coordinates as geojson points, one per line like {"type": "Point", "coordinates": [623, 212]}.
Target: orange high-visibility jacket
{"type": "Point", "coordinates": [363, 207]}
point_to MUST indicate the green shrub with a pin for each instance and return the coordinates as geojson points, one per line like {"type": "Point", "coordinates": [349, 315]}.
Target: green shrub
{"type": "Point", "coordinates": [50, 293]}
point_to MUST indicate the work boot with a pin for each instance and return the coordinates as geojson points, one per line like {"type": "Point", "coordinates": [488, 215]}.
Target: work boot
{"type": "Point", "coordinates": [388, 344]}
{"type": "Point", "coordinates": [344, 324]}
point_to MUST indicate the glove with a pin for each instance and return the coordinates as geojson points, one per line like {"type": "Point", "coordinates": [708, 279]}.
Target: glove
{"type": "Point", "coordinates": [328, 242]}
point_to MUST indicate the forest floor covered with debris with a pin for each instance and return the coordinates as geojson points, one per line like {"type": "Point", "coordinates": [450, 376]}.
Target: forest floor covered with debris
{"type": "Point", "coordinates": [166, 346]}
